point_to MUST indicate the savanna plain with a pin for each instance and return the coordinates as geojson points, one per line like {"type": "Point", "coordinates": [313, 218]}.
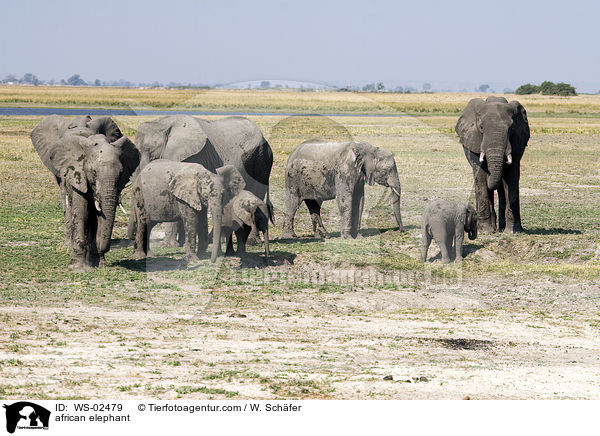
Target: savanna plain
{"type": "Point", "coordinates": [351, 319]}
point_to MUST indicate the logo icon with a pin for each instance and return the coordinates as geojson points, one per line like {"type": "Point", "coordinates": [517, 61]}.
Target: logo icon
{"type": "Point", "coordinates": [26, 415]}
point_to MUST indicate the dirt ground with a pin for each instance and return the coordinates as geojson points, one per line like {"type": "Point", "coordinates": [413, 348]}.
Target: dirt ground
{"type": "Point", "coordinates": [440, 339]}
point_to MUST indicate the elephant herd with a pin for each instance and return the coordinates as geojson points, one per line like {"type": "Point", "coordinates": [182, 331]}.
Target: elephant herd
{"type": "Point", "coordinates": [184, 168]}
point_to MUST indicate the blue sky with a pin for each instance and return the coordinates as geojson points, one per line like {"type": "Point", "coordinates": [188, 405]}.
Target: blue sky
{"type": "Point", "coordinates": [451, 44]}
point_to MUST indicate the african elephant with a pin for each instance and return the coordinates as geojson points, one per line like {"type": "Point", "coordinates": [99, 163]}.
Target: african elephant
{"type": "Point", "coordinates": [168, 191]}
{"type": "Point", "coordinates": [446, 221]}
{"type": "Point", "coordinates": [494, 134]}
{"type": "Point", "coordinates": [91, 161]}
{"type": "Point", "coordinates": [241, 214]}
{"type": "Point", "coordinates": [228, 141]}
{"type": "Point", "coordinates": [318, 171]}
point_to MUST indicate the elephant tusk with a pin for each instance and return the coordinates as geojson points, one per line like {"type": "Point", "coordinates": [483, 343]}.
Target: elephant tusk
{"type": "Point", "coordinates": [482, 157]}
{"type": "Point", "coordinates": [509, 159]}
{"type": "Point", "coordinates": [97, 206]}
{"type": "Point", "coordinates": [66, 202]}
{"type": "Point", "coordinates": [122, 208]}
{"type": "Point", "coordinates": [396, 191]}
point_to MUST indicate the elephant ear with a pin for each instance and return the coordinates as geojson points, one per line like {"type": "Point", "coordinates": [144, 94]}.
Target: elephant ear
{"type": "Point", "coordinates": [233, 181]}
{"type": "Point", "coordinates": [68, 157]}
{"type": "Point", "coordinates": [359, 156]}
{"type": "Point", "coordinates": [129, 157]}
{"type": "Point", "coordinates": [468, 126]}
{"type": "Point", "coordinates": [244, 207]}
{"type": "Point", "coordinates": [185, 186]}
{"type": "Point", "coordinates": [45, 138]}
{"type": "Point", "coordinates": [107, 127]}
{"type": "Point", "coordinates": [520, 133]}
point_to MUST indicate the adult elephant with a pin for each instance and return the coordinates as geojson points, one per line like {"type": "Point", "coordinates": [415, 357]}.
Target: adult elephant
{"type": "Point", "coordinates": [494, 134]}
{"type": "Point", "coordinates": [318, 170]}
{"type": "Point", "coordinates": [91, 161]}
{"type": "Point", "coordinates": [233, 141]}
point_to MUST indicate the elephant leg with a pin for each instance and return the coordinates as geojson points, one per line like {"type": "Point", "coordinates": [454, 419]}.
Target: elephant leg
{"type": "Point", "coordinates": [344, 201]}
{"type": "Point", "coordinates": [513, 211]}
{"type": "Point", "coordinates": [357, 206]}
{"type": "Point", "coordinates": [93, 258]}
{"type": "Point", "coordinates": [502, 195]}
{"type": "Point", "coordinates": [242, 236]}
{"type": "Point", "coordinates": [190, 245]}
{"type": "Point", "coordinates": [459, 237]}
{"type": "Point", "coordinates": [141, 245]}
{"type": "Point", "coordinates": [426, 242]}
{"type": "Point", "coordinates": [229, 251]}
{"type": "Point", "coordinates": [314, 208]}
{"type": "Point", "coordinates": [202, 232]}
{"type": "Point", "coordinates": [79, 237]}
{"type": "Point", "coordinates": [292, 202]}
{"type": "Point", "coordinates": [486, 216]}
{"type": "Point", "coordinates": [170, 240]}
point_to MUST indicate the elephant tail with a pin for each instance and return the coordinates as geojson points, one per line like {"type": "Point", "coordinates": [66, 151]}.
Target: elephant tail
{"type": "Point", "coordinates": [267, 200]}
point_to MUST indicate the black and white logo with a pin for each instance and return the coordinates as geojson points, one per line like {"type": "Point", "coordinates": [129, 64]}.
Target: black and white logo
{"type": "Point", "coordinates": [26, 415]}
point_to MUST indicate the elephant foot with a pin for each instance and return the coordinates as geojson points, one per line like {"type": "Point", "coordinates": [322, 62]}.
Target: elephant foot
{"type": "Point", "coordinates": [80, 266]}
{"type": "Point", "coordinates": [445, 261]}
{"type": "Point", "coordinates": [289, 234]}
{"type": "Point", "coordinates": [192, 258]}
{"type": "Point", "coordinates": [321, 234]}
{"type": "Point", "coordinates": [254, 239]}
{"type": "Point", "coordinates": [485, 228]}
{"type": "Point", "coordinates": [169, 243]}
{"type": "Point", "coordinates": [139, 255]}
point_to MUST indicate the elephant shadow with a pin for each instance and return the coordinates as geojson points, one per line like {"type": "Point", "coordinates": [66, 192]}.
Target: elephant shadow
{"type": "Point", "coordinates": [257, 260]}
{"type": "Point", "coordinates": [152, 264]}
{"type": "Point", "coordinates": [365, 233]}
{"type": "Point", "coordinates": [468, 249]}
{"type": "Point", "coordinates": [551, 231]}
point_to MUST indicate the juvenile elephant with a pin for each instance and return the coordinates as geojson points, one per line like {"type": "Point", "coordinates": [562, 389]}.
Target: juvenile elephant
{"type": "Point", "coordinates": [318, 171]}
{"type": "Point", "coordinates": [494, 134]}
{"type": "Point", "coordinates": [244, 212]}
{"type": "Point", "coordinates": [233, 141]}
{"type": "Point", "coordinates": [445, 221]}
{"type": "Point", "coordinates": [91, 161]}
{"type": "Point", "coordinates": [168, 191]}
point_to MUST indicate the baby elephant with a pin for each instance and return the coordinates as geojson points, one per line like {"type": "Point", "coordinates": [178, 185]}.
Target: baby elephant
{"type": "Point", "coordinates": [169, 191]}
{"type": "Point", "coordinates": [445, 221]}
{"type": "Point", "coordinates": [242, 214]}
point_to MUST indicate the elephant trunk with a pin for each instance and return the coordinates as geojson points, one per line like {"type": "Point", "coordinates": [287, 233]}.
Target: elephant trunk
{"type": "Point", "coordinates": [494, 146]}
{"type": "Point", "coordinates": [394, 183]}
{"type": "Point", "coordinates": [216, 244]}
{"type": "Point", "coordinates": [106, 221]}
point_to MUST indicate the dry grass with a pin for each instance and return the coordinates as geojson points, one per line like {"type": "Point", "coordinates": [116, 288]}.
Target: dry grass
{"type": "Point", "coordinates": [277, 100]}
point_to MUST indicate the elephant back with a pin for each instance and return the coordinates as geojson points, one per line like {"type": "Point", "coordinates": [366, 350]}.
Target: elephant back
{"type": "Point", "coordinates": [45, 137]}
{"type": "Point", "coordinates": [176, 138]}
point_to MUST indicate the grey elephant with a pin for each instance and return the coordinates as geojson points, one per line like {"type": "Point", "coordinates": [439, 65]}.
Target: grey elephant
{"type": "Point", "coordinates": [233, 141]}
{"type": "Point", "coordinates": [446, 221]}
{"type": "Point", "coordinates": [494, 134]}
{"type": "Point", "coordinates": [318, 170]}
{"type": "Point", "coordinates": [244, 212]}
{"type": "Point", "coordinates": [92, 162]}
{"type": "Point", "coordinates": [168, 191]}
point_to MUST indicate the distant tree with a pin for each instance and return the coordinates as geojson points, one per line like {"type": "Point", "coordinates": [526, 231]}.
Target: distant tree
{"type": "Point", "coordinates": [380, 86]}
{"type": "Point", "coordinates": [11, 78]}
{"type": "Point", "coordinates": [97, 82]}
{"type": "Point", "coordinates": [398, 89]}
{"type": "Point", "coordinates": [547, 88]}
{"type": "Point", "coordinates": [484, 87]}
{"type": "Point", "coordinates": [265, 84]}
{"type": "Point", "coordinates": [426, 86]}
{"type": "Point", "coordinates": [369, 87]}
{"type": "Point", "coordinates": [508, 91]}
{"type": "Point", "coordinates": [76, 80]}
{"type": "Point", "coordinates": [30, 78]}
{"type": "Point", "coordinates": [528, 88]}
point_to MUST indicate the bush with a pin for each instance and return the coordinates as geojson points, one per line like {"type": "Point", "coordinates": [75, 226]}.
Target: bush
{"type": "Point", "coordinates": [547, 88]}
{"type": "Point", "coordinates": [528, 88]}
